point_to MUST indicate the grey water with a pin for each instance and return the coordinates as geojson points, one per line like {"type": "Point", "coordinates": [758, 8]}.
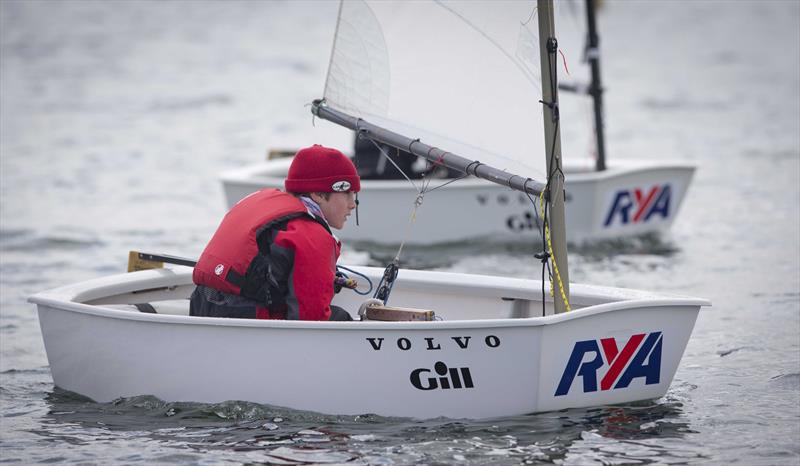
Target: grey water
{"type": "Point", "coordinates": [117, 117]}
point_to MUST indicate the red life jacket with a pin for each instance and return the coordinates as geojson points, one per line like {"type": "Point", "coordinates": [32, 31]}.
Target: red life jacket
{"type": "Point", "coordinates": [231, 262]}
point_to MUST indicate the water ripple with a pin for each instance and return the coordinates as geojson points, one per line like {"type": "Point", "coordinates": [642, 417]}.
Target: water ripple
{"type": "Point", "coordinates": [30, 241]}
{"type": "Point", "coordinates": [789, 381]}
{"type": "Point", "coordinates": [300, 437]}
{"type": "Point", "coordinates": [190, 104]}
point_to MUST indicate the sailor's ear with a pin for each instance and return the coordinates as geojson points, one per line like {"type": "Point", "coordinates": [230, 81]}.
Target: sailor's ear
{"type": "Point", "coordinates": [319, 197]}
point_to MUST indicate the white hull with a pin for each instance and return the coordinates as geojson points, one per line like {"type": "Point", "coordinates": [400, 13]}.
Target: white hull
{"type": "Point", "coordinates": [599, 205]}
{"type": "Point", "coordinates": [505, 363]}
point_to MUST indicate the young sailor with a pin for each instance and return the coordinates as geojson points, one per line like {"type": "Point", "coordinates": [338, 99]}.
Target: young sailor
{"type": "Point", "coordinates": [274, 255]}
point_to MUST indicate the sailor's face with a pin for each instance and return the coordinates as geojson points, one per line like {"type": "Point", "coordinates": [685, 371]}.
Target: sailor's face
{"type": "Point", "coordinates": [337, 207]}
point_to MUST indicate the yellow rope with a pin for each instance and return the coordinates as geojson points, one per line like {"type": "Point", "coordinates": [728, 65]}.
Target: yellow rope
{"type": "Point", "coordinates": [553, 258]}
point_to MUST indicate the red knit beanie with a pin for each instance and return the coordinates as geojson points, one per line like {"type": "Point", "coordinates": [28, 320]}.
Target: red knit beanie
{"type": "Point", "coordinates": [319, 169]}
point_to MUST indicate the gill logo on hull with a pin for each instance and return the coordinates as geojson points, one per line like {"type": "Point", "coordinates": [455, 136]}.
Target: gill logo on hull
{"type": "Point", "coordinates": [639, 205]}
{"type": "Point", "coordinates": [448, 377]}
{"type": "Point", "coordinates": [641, 355]}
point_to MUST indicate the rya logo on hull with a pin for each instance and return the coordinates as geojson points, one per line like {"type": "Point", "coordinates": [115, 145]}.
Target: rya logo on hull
{"type": "Point", "coordinates": [631, 206]}
{"type": "Point", "coordinates": [639, 358]}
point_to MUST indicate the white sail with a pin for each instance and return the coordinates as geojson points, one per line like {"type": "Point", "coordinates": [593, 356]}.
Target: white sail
{"type": "Point", "coordinates": [466, 72]}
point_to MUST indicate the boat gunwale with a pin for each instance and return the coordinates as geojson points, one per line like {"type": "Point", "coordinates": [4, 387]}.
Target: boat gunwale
{"type": "Point", "coordinates": [100, 310]}
{"type": "Point", "coordinates": [63, 298]}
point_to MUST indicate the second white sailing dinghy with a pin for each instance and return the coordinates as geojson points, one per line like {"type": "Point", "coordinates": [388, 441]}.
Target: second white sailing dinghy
{"type": "Point", "coordinates": [484, 347]}
{"type": "Point", "coordinates": [417, 66]}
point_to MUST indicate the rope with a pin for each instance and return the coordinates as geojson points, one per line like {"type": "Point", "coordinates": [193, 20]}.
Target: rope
{"type": "Point", "coordinates": [446, 183]}
{"type": "Point", "coordinates": [360, 275]}
{"type": "Point", "coordinates": [386, 284]}
{"type": "Point", "coordinates": [360, 133]}
{"type": "Point", "coordinates": [553, 260]}
{"type": "Point", "coordinates": [380, 149]}
{"type": "Point", "coordinates": [390, 273]}
{"type": "Point", "coordinates": [544, 255]}
{"type": "Point", "coordinates": [439, 162]}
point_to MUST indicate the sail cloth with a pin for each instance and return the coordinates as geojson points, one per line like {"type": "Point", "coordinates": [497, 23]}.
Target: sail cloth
{"type": "Point", "coordinates": [462, 76]}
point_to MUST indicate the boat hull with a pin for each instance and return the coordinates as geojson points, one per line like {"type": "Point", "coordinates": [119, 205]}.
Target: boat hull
{"type": "Point", "coordinates": [625, 200]}
{"type": "Point", "coordinates": [474, 368]}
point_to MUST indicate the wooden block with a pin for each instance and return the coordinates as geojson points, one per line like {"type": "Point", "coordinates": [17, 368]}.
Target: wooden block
{"type": "Point", "coordinates": [398, 314]}
{"type": "Point", "coordinates": [136, 263]}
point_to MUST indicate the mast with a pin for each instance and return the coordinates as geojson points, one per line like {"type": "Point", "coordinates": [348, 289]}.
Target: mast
{"type": "Point", "coordinates": [596, 87]}
{"type": "Point", "coordinates": [555, 195]}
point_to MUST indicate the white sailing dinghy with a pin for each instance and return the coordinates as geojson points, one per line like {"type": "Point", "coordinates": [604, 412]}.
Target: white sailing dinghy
{"type": "Point", "coordinates": [388, 62]}
{"type": "Point", "coordinates": [497, 346]}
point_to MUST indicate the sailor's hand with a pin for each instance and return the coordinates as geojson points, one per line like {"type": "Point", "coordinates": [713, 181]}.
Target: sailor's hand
{"type": "Point", "coordinates": [342, 281]}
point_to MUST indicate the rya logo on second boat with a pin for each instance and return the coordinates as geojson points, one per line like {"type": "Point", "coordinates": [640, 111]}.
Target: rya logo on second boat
{"type": "Point", "coordinates": [632, 206]}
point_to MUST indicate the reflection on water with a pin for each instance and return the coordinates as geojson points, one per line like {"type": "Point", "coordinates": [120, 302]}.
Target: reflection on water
{"type": "Point", "coordinates": [300, 437]}
{"type": "Point", "coordinates": [447, 254]}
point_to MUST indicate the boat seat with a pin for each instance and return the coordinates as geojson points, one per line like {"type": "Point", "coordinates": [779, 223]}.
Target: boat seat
{"type": "Point", "coordinates": [178, 307]}
{"type": "Point", "coordinates": [373, 312]}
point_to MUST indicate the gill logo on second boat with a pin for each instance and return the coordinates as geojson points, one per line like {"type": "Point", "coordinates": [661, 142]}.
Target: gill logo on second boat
{"type": "Point", "coordinates": [641, 355]}
{"type": "Point", "coordinates": [639, 205]}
